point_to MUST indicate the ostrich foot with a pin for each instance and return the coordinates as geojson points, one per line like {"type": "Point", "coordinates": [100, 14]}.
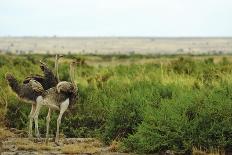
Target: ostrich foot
{"type": "Point", "coordinates": [30, 137]}
{"type": "Point", "coordinates": [58, 143]}
{"type": "Point", "coordinates": [38, 138]}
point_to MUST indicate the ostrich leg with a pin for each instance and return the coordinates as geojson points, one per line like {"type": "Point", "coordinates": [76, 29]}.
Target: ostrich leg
{"type": "Point", "coordinates": [31, 121]}
{"type": "Point", "coordinates": [47, 124]}
{"type": "Point", "coordinates": [63, 108]}
{"type": "Point", "coordinates": [36, 115]}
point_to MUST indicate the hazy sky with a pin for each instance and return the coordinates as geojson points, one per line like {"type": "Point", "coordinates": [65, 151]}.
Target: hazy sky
{"type": "Point", "coordinates": [116, 17]}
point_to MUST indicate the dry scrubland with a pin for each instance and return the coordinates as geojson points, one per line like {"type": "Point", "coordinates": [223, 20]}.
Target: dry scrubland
{"type": "Point", "coordinates": [136, 103]}
{"type": "Point", "coordinates": [115, 45]}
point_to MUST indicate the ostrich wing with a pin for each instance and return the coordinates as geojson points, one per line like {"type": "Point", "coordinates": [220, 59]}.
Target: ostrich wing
{"type": "Point", "coordinates": [36, 77]}
{"type": "Point", "coordinates": [66, 87]}
{"type": "Point", "coordinates": [36, 86]}
{"type": "Point", "coordinates": [50, 80]}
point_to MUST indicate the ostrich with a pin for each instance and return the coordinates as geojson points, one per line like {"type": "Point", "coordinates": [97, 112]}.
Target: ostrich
{"type": "Point", "coordinates": [31, 88]}
{"type": "Point", "coordinates": [58, 98]}
{"type": "Point", "coordinates": [28, 92]}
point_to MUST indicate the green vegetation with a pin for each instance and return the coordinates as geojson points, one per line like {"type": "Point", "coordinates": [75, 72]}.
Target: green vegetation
{"type": "Point", "coordinates": [166, 103]}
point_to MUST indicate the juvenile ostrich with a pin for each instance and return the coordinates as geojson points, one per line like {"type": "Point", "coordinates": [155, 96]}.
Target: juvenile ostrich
{"type": "Point", "coordinates": [58, 98]}
{"type": "Point", "coordinates": [31, 88]}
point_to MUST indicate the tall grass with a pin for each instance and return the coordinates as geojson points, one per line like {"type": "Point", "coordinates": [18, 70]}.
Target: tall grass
{"type": "Point", "coordinates": [181, 104]}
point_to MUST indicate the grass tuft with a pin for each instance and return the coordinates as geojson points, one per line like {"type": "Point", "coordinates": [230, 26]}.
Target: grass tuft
{"type": "Point", "coordinates": [4, 133]}
{"type": "Point", "coordinates": [197, 151]}
{"type": "Point", "coordinates": [80, 148]}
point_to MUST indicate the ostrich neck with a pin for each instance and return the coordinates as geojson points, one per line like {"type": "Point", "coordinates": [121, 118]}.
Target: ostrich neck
{"type": "Point", "coordinates": [56, 68]}
{"type": "Point", "coordinates": [72, 74]}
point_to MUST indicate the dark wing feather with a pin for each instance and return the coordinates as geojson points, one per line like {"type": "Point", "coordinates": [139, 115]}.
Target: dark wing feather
{"type": "Point", "coordinates": [50, 80]}
{"type": "Point", "coordinates": [47, 81]}
{"type": "Point", "coordinates": [36, 77]}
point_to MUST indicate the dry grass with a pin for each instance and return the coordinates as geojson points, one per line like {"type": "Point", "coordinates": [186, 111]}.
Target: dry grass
{"type": "Point", "coordinates": [197, 151]}
{"type": "Point", "coordinates": [4, 133]}
{"type": "Point", "coordinates": [80, 148]}
{"type": "Point", "coordinates": [25, 144]}
{"type": "Point", "coordinates": [114, 146]}
{"type": "Point", "coordinates": [34, 147]}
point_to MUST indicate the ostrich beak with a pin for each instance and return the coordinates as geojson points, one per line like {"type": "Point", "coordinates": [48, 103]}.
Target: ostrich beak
{"type": "Point", "coordinates": [42, 63]}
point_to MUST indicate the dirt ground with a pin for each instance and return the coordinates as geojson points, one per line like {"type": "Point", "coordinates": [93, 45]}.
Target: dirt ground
{"type": "Point", "coordinates": [15, 143]}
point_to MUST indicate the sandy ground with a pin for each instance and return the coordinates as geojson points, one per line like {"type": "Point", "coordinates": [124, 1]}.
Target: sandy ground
{"type": "Point", "coordinates": [24, 146]}
{"type": "Point", "coordinates": [115, 45]}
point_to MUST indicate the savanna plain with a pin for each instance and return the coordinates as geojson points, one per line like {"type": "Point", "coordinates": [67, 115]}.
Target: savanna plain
{"type": "Point", "coordinates": [176, 104]}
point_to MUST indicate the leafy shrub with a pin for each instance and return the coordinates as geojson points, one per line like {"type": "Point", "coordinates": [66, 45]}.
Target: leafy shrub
{"type": "Point", "coordinates": [204, 122]}
{"type": "Point", "coordinates": [17, 114]}
{"type": "Point", "coordinates": [184, 66]}
{"type": "Point", "coordinates": [209, 61]}
{"type": "Point", "coordinates": [122, 121]}
{"type": "Point", "coordinates": [3, 61]}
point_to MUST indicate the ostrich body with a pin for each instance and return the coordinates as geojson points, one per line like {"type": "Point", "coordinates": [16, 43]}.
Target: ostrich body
{"type": "Point", "coordinates": [28, 92]}
{"type": "Point", "coordinates": [32, 89]}
{"type": "Point", "coordinates": [58, 98]}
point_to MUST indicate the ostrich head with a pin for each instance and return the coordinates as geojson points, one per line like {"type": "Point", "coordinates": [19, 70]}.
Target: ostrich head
{"type": "Point", "coordinates": [42, 65]}
{"type": "Point", "coordinates": [58, 56]}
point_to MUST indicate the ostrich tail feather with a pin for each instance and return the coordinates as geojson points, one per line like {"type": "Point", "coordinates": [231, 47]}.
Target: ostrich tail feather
{"type": "Point", "coordinates": [13, 83]}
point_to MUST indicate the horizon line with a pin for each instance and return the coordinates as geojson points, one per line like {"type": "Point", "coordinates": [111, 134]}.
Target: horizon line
{"type": "Point", "coordinates": [63, 36]}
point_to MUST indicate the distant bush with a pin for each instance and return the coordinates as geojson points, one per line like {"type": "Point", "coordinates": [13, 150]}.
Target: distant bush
{"type": "Point", "coordinates": [21, 62]}
{"type": "Point", "coordinates": [31, 59]}
{"type": "Point", "coordinates": [184, 66]}
{"type": "Point", "coordinates": [209, 61]}
{"type": "Point", "coordinates": [3, 61]}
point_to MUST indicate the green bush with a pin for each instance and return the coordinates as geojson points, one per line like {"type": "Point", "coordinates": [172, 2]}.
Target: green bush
{"type": "Point", "coordinates": [122, 120]}
{"type": "Point", "coordinates": [184, 66]}
{"type": "Point", "coordinates": [182, 104]}
{"type": "Point", "coordinates": [201, 121]}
